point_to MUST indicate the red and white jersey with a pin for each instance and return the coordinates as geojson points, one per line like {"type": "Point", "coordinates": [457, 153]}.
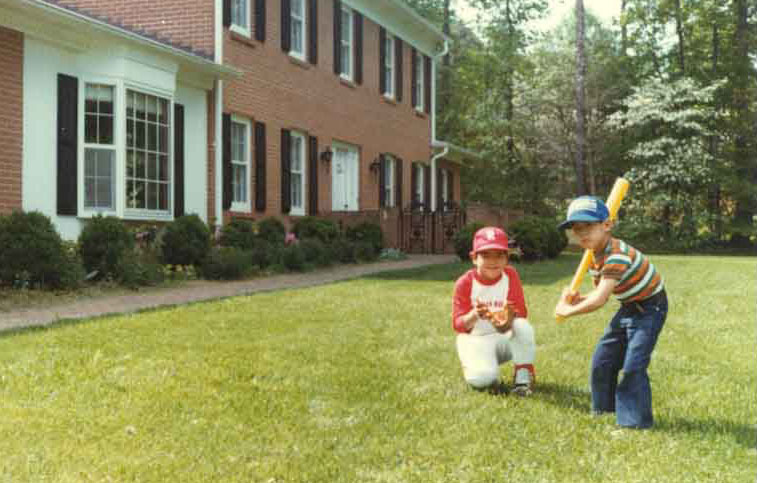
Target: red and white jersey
{"type": "Point", "coordinates": [495, 294]}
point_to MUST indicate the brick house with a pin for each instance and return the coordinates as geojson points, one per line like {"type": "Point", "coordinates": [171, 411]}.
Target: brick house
{"type": "Point", "coordinates": [225, 108]}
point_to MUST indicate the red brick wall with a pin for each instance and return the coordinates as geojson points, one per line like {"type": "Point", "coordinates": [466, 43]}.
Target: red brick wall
{"type": "Point", "coordinates": [284, 93]}
{"type": "Point", "coordinates": [183, 22]}
{"type": "Point", "coordinates": [11, 112]}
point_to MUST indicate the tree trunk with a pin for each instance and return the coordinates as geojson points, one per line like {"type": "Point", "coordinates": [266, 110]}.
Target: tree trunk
{"type": "Point", "coordinates": [679, 32]}
{"type": "Point", "coordinates": [716, 224]}
{"type": "Point", "coordinates": [580, 99]}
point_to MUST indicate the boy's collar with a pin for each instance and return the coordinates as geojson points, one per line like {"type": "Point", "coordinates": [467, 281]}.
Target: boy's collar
{"type": "Point", "coordinates": [485, 281]}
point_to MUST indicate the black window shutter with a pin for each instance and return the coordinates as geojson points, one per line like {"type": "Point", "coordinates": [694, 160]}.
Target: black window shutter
{"type": "Point", "coordinates": [313, 177]}
{"type": "Point", "coordinates": [337, 37]}
{"type": "Point", "coordinates": [358, 33]}
{"type": "Point", "coordinates": [286, 26]}
{"type": "Point", "coordinates": [450, 186]}
{"type": "Point", "coordinates": [414, 186]}
{"type": "Point", "coordinates": [398, 61]}
{"type": "Point", "coordinates": [313, 32]}
{"type": "Point", "coordinates": [427, 187]}
{"type": "Point", "coordinates": [427, 84]}
{"type": "Point", "coordinates": [178, 160]}
{"type": "Point", "coordinates": [398, 182]}
{"type": "Point", "coordinates": [260, 20]}
{"type": "Point", "coordinates": [226, 13]}
{"type": "Point", "coordinates": [260, 166]}
{"type": "Point", "coordinates": [439, 197]}
{"type": "Point", "coordinates": [382, 181]}
{"type": "Point", "coordinates": [414, 77]}
{"type": "Point", "coordinates": [227, 174]}
{"type": "Point", "coordinates": [382, 60]}
{"type": "Point", "coordinates": [68, 108]}
{"type": "Point", "coordinates": [286, 174]}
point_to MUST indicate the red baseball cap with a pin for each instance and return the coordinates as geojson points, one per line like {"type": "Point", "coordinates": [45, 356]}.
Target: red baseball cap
{"type": "Point", "coordinates": [489, 238]}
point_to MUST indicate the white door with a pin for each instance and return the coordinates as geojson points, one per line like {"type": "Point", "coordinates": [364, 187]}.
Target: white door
{"type": "Point", "coordinates": [344, 179]}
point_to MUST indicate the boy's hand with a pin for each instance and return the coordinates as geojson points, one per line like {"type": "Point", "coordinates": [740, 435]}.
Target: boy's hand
{"type": "Point", "coordinates": [482, 310]}
{"type": "Point", "coordinates": [570, 297]}
{"type": "Point", "coordinates": [503, 321]}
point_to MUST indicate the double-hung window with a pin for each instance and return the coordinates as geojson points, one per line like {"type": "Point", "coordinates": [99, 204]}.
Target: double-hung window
{"type": "Point", "coordinates": [297, 31]}
{"type": "Point", "coordinates": [347, 41]}
{"type": "Point", "coordinates": [240, 16]}
{"type": "Point", "coordinates": [148, 170]}
{"type": "Point", "coordinates": [389, 181]}
{"type": "Point", "coordinates": [297, 173]}
{"type": "Point", "coordinates": [418, 189]}
{"type": "Point", "coordinates": [445, 189]}
{"type": "Point", "coordinates": [240, 163]}
{"type": "Point", "coordinates": [418, 65]}
{"type": "Point", "coordinates": [99, 148]}
{"type": "Point", "coordinates": [389, 66]}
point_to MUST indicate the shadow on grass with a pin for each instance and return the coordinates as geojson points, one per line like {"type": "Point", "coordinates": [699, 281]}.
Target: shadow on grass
{"type": "Point", "coordinates": [562, 395]}
{"type": "Point", "coordinates": [743, 434]}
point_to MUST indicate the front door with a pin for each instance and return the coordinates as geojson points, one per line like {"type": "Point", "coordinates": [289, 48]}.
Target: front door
{"type": "Point", "coordinates": [344, 178]}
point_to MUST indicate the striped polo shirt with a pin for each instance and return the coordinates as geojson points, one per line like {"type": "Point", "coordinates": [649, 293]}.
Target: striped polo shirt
{"type": "Point", "coordinates": [636, 275]}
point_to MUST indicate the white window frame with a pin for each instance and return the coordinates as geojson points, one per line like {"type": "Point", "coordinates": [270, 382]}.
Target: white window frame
{"type": "Point", "coordinates": [245, 162]}
{"type": "Point", "coordinates": [298, 210]}
{"type": "Point", "coordinates": [389, 66]}
{"type": "Point", "coordinates": [113, 148]}
{"type": "Point", "coordinates": [147, 213]}
{"type": "Point", "coordinates": [445, 188]}
{"type": "Point", "coordinates": [419, 82]}
{"type": "Point", "coordinates": [390, 180]}
{"type": "Point", "coordinates": [347, 43]}
{"type": "Point", "coordinates": [243, 29]}
{"type": "Point", "coordinates": [420, 191]}
{"type": "Point", "coordinates": [354, 153]}
{"type": "Point", "coordinates": [303, 19]}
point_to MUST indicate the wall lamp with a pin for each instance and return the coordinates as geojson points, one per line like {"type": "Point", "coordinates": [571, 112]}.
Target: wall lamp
{"type": "Point", "coordinates": [326, 156]}
{"type": "Point", "coordinates": [375, 166]}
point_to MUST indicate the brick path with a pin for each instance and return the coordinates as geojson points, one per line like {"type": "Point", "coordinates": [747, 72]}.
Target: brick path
{"type": "Point", "coordinates": [203, 290]}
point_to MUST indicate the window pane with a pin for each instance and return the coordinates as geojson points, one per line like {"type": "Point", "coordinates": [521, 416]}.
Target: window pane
{"type": "Point", "coordinates": [90, 98]}
{"type": "Point", "coordinates": [129, 132]}
{"type": "Point", "coordinates": [297, 36]}
{"type": "Point", "coordinates": [90, 128]}
{"type": "Point", "coordinates": [140, 106]}
{"type": "Point", "coordinates": [140, 128]}
{"type": "Point", "coordinates": [89, 192]}
{"type": "Point", "coordinates": [346, 26]}
{"type": "Point", "coordinates": [103, 193]}
{"type": "Point", "coordinates": [130, 104]}
{"type": "Point", "coordinates": [297, 8]}
{"type": "Point", "coordinates": [141, 165]}
{"type": "Point", "coordinates": [296, 190]}
{"type": "Point", "coordinates": [105, 131]}
{"type": "Point", "coordinates": [104, 164]}
{"type": "Point", "coordinates": [106, 100]}
{"type": "Point", "coordinates": [130, 163]}
{"type": "Point", "coordinates": [346, 60]}
{"type": "Point", "coordinates": [152, 137]}
{"type": "Point", "coordinates": [163, 112]}
{"type": "Point", "coordinates": [164, 202]}
{"type": "Point", "coordinates": [152, 196]}
{"type": "Point", "coordinates": [152, 166]}
{"type": "Point", "coordinates": [162, 139]}
{"type": "Point", "coordinates": [152, 109]}
{"type": "Point", "coordinates": [163, 169]}
{"type": "Point", "coordinates": [90, 160]}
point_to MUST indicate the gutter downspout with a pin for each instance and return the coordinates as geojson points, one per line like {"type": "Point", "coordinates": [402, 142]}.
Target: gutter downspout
{"type": "Point", "coordinates": [218, 122]}
{"type": "Point", "coordinates": [434, 141]}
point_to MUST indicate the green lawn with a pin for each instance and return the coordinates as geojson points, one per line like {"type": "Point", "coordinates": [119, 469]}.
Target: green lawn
{"type": "Point", "coordinates": [359, 382]}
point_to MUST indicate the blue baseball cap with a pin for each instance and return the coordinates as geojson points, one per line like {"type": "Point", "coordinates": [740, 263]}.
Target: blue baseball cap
{"type": "Point", "coordinates": [588, 209]}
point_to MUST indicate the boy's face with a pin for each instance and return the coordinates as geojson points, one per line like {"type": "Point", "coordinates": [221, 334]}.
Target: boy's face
{"type": "Point", "coordinates": [592, 236]}
{"type": "Point", "coordinates": [490, 263]}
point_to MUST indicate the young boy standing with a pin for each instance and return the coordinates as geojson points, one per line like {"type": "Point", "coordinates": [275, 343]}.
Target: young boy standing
{"type": "Point", "coordinates": [489, 315]}
{"type": "Point", "coordinates": [630, 338]}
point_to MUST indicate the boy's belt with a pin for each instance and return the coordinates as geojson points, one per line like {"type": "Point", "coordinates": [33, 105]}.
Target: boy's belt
{"type": "Point", "coordinates": [653, 300]}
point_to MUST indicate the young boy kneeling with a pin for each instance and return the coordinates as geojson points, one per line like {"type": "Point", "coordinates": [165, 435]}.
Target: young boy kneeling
{"type": "Point", "coordinates": [489, 314]}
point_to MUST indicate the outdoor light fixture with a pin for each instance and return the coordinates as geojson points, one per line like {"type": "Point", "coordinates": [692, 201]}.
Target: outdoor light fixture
{"type": "Point", "coordinates": [375, 166]}
{"type": "Point", "coordinates": [326, 156]}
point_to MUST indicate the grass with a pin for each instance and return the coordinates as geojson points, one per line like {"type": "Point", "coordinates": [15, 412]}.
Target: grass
{"type": "Point", "coordinates": [359, 382]}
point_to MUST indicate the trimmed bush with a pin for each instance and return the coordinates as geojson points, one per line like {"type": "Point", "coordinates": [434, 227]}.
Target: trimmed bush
{"type": "Point", "coordinates": [227, 263]}
{"type": "Point", "coordinates": [32, 253]}
{"type": "Point", "coordinates": [136, 270]}
{"type": "Point", "coordinates": [272, 230]}
{"type": "Point", "coordinates": [343, 250]}
{"type": "Point", "coordinates": [463, 240]}
{"type": "Point", "coordinates": [310, 227]}
{"type": "Point", "coordinates": [365, 251]}
{"type": "Point", "coordinates": [293, 258]}
{"type": "Point", "coordinates": [265, 254]}
{"type": "Point", "coordinates": [538, 238]}
{"type": "Point", "coordinates": [103, 242]}
{"type": "Point", "coordinates": [238, 233]}
{"type": "Point", "coordinates": [186, 241]}
{"type": "Point", "coordinates": [367, 232]}
{"type": "Point", "coordinates": [315, 252]}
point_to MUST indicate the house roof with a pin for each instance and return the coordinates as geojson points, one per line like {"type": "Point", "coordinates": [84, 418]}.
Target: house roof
{"type": "Point", "coordinates": [455, 153]}
{"type": "Point", "coordinates": [81, 21]}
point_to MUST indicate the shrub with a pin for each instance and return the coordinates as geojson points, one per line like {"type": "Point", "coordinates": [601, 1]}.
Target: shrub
{"type": "Point", "coordinates": [265, 254]}
{"type": "Point", "coordinates": [310, 227]}
{"type": "Point", "coordinates": [238, 233]}
{"type": "Point", "coordinates": [343, 251]}
{"type": "Point", "coordinates": [227, 263]}
{"type": "Point", "coordinates": [32, 252]}
{"type": "Point", "coordinates": [186, 241]}
{"type": "Point", "coordinates": [103, 242]}
{"type": "Point", "coordinates": [315, 252]}
{"type": "Point", "coordinates": [463, 240]}
{"type": "Point", "coordinates": [365, 251]}
{"type": "Point", "coordinates": [538, 238]}
{"type": "Point", "coordinates": [293, 258]}
{"type": "Point", "coordinates": [135, 270]}
{"type": "Point", "coordinates": [367, 232]}
{"type": "Point", "coordinates": [272, 230]}
{"type": "Point", "coordinates": [392, 254]}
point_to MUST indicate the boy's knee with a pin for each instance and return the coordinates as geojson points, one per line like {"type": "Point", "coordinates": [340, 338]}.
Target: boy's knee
{"type": "Point", "coordinates": [523, 329]}
{"type": "Point", "coordinates": [482, 379]}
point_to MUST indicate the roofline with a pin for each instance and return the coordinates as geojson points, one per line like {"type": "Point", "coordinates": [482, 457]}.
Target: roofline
{"type": "Point", "coordinates": [437, 144]}
{"type": "Point", "coordinates": [420, 18]}
{"type": "Point", "coordinates": [201, 62]}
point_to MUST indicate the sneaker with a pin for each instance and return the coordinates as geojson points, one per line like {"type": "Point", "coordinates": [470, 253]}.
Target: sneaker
{"type": "Point", "coordinates": [524, 379]}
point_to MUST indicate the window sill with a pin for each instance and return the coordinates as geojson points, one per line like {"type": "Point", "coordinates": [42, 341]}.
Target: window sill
{"type": "Point", "coordinates": [389, 100]}
{"type": "Point", "coordinates": [298, 62]}
{"type": "Point", "coordinates": [421, 114]}
{"type": "Point", "coordinates": [242, 39]}
{"type": "Point", "coordinates": [346, 82]}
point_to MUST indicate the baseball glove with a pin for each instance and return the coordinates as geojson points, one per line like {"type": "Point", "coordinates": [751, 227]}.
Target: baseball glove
{"type": "Point", "coordinates": [503, 321]}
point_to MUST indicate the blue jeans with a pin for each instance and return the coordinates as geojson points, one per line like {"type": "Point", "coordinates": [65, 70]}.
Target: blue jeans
{"type": "Point", "coordinates": [627, 344]}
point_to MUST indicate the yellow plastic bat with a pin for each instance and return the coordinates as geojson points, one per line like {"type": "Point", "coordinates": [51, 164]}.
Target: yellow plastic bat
{"type": "Point", "coordinates": [619, 190]}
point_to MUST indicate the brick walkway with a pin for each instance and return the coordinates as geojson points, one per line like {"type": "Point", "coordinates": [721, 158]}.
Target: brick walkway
{"type": "Point", "coordinates": [203, 290]}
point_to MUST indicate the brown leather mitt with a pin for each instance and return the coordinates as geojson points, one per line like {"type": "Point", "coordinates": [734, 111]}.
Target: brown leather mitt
{"type": "Point", "coordinates": [503, 321]}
